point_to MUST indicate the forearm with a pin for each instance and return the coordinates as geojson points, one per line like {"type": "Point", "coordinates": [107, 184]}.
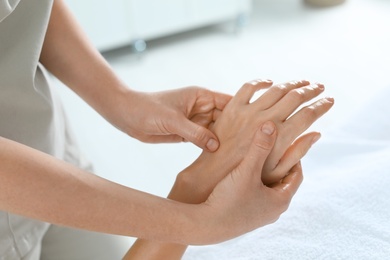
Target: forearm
{"type": "Point", "coordinates": [36, 185]}
{"type": "Point", "coordinates": [71, 57]}
{"type": "Point", "coordinates": [186, 189]}
{"type": "Point", "coordinates": [144, 249]}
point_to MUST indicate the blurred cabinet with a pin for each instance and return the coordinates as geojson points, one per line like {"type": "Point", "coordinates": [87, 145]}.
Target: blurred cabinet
{"type": "Point", "coordinates": [104, 21]}
{"type": "Point", "coordinates": [114, 23]}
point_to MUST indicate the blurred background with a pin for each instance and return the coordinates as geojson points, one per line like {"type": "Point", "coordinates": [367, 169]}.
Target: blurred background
{"type": "Point", "coordinates": [156, 45]}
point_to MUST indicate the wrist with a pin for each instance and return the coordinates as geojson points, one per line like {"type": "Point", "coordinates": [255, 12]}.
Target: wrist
{"type": "Point", "coordinates": [118, 107]}
{"type": "Point", "coordinates": [195, 183]}
{"type": "Point", "coordinates": [189, 186]}
{"type": "Point", "coordinates": [211, 226]}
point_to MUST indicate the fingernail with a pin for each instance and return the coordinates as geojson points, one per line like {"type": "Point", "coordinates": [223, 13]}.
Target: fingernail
{"type": "Point", "coordinates": [212, 145]}
{"type": "Point", "coordinates": [330, 99]}
{"type": "Point", "coordinates": [320, 86]}
{"type": "Point", "coordinates": [266, 80]}
{"type": "Point", "coordinates": [268, 128]}
{"type": "Point", "coordinates": [315, 138]}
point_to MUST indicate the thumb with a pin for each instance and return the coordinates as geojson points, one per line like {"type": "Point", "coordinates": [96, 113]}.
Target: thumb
{"type": "Point", "coordinates": [198, 135]}
{"type": "Point", "coordinates": [261, 146]}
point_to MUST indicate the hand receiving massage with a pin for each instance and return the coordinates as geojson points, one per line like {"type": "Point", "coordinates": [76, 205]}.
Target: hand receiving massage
{"type": "Point", "coordinates": [238, 131]}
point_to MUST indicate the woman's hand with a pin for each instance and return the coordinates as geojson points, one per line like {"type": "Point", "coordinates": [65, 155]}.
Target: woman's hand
{"type": "Point", "coordinates": [171, 116]}
{"type": "Point", "coordinates": [241, 202]}
{"type": "Point", "coordinates": [239, 121]}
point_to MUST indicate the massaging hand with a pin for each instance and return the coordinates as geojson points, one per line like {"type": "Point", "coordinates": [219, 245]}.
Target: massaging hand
{"type": "Point", "coordinates": [241, 201]}
{"type": "Point", "coordinates": [236, 126]}
{"type": "Point", "coordinates": [172, 116]}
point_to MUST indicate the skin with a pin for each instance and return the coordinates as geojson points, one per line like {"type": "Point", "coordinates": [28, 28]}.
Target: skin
{"type": "Point", "coordinates": [82, 200]}
{"type": "Point", "coordinates": [172, 116]}
{"type": "Point", "coordinates": [235, 128]}
{"type": "Point", "coordinates": [36, 185]}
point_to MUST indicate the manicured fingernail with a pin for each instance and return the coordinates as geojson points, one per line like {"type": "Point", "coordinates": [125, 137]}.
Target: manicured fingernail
{"type": "Point", "coordinates": [212, 145]}
{"type": "Point", "coordinates": [315, 138]}
{"type": "Point", "coordinates": [268, 128]}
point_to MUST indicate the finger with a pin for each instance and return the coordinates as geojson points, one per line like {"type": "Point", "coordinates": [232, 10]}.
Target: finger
{"type": "Point", "coordinates": [221, 100]}
{"type": "Point", "coordinates": [260, 148]}
{"type": "Point", "coordinates": [289, 185]}
{"type": "Point", "coordinates": [306, 116]}
{"type": "Point", "coordinates": [291, 157]}
{"type": "Point", "coordinates": [156, 139]}
{"type": "Point", "coordinates": [198, 135]}
{"type": "Point", "coordinates": [246, 92]}
{"type": "Point", "coordinates": [276, 92]}
{"type": "Point", "coordinates": [203, 119]}
{"type": "Point", "coordinates": [295, 126]}
{"type": "Point", "coordinates": [295, 98]}
{"type": "Point", "coordinates": [216, 114]}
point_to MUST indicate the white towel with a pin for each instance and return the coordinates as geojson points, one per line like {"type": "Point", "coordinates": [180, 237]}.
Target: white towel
{"type": "Point", "coordinates": [342, 210]}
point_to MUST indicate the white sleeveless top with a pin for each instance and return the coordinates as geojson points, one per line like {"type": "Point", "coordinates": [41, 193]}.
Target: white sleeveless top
{"type": "Point", "coordinates": [30, 112]}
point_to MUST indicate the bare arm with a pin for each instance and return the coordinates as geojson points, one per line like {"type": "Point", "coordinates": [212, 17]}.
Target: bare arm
{"type": "Point", "coordinates": [173, 115]}
{"type": "Point", "coordinates": [36, 185]}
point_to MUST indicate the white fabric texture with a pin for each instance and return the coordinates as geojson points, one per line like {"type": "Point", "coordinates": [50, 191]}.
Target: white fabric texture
{"type": "Point", "coordinates": [6, 7]}
{"type": "Point", "coordinates": [61, 243]}
{"type": "Point", "coordinates": [342, 209]}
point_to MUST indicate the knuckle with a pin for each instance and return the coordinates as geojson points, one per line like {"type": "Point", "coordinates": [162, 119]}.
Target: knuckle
{"type": "Point", "coordinates": [277, 174]}
{"type": "Point", "coordinates": [281, 89]}
{"type": "Point", "coordinates": [274, 219]}
{"type": "Point", "coordinates": [284, 205]}
{"type": "Point", "coordinates": [251, 83]}
{"type": "Point", "coordinates": [259, 82]}
{"type": "Point", "coordinates": [264, 143]}
{"type": "Point", "coordinates": [194, 89]}
{"type": "Point", "coordinates": [199, 134]}
{"type": "Point", "coordinates": [297, 94]}
{"type": "Point", "coordinates": [184, 179]}
{"type": "Point", "coordinates": [285, 88]}
{"type": "Point", "coordinates": [297, 83]}
{"type": "Point", "coordinates": [251, 87]}
{"type": "Point", "coordinates": [309, 112]}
